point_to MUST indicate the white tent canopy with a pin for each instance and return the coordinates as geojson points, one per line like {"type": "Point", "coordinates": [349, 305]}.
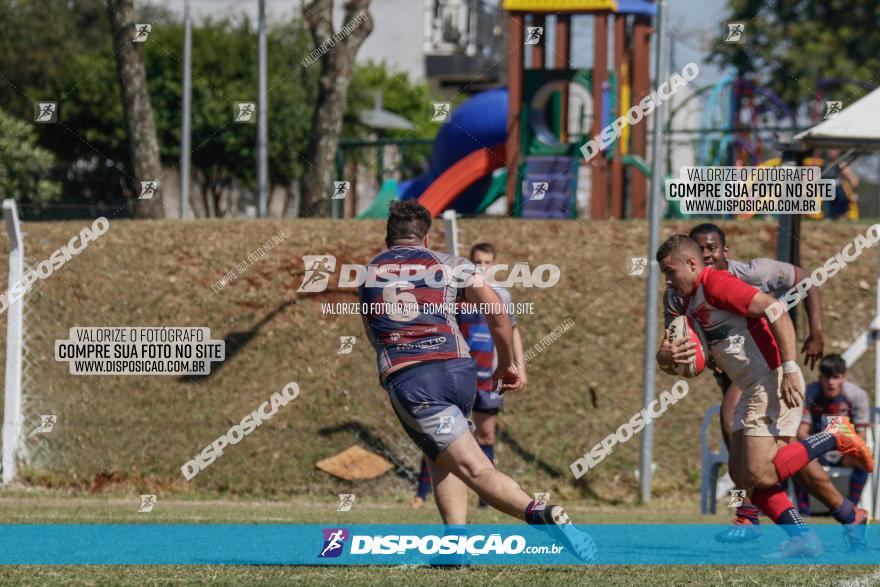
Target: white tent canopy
{"type": "Point", "coordinates": [856, 126]}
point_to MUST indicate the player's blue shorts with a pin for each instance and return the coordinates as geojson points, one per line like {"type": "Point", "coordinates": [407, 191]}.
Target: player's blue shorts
{"type": "Point", "coordinates": [433, 400]}
{"type": "Point", "coordinates": [488, 402]}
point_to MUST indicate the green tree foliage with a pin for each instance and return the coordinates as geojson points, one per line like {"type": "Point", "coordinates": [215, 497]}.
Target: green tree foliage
{"type": "Point", "coordinates": [792, 45]}
{"type": "Point", "coordinates": [400, 96]}
{"type": "Point", "coordinates": [24, 167]}
{"type": "Point", "coordinates": [61, 50]}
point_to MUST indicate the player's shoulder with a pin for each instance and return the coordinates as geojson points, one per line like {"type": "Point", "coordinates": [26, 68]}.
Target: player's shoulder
{"type": "Point", "coordinates": [711, 277]}
{"type": "Point", "coordinates": [761, 270]}
{"type": "Point", "coordinates": [502, 292]}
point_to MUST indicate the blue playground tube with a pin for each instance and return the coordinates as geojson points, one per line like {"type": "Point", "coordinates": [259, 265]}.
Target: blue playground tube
{"type": "Point", "coordinates": [480, 121]}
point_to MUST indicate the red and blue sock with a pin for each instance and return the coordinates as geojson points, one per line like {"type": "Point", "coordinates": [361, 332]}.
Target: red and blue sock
{"type": "Point", "coordinates": [803, 499]}
{"type": "Point", "coordinates": [535, 512]}
{"type": "Point", "coordinates": [795, 456]}
{"type": "Point", "coordinates": [776, 505]}
{"type": "Point", "coordinates": [846, 513]}
{"type": "Point", "coordinates": [857, 481]}
{"type": "Point", "coordinates": [424, 480]}
{"type": "Point", "coordinates": [749, 512]}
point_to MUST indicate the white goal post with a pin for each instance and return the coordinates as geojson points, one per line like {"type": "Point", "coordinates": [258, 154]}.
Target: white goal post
{"type": "Point", "coordinates": [12, 413]}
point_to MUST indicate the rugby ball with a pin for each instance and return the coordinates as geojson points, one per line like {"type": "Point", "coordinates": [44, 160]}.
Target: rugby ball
{"type": "Point", "coordinates": [683, 328]}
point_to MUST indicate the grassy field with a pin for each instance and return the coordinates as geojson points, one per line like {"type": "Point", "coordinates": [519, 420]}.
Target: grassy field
{"type": "Point", "coordinates": [117, 437]}
{"type": "Point", "coordinates": [40, 506]}
{"type": "Point", "coordinates": [132, 433]}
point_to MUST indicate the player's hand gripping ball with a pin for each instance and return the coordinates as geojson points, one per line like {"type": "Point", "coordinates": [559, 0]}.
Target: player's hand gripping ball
{"type": "Point", "coordinates": [683, 328]}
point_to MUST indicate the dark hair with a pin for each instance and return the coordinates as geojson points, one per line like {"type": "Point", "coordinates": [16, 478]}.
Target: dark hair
{"type": "Point", "coordinates": [708, 228]}
{"type": "Point", "coordinates": [407, 220]}
{"type": "Point", "coordinates": [677, 244]}
{"type": "Point", "coordinates": [832, 365]}
{"type": "Point", "coordinates": [483, 248]}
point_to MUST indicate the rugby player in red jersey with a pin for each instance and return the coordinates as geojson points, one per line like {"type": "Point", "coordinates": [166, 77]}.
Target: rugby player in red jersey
{"type": "Point", "coordinates": [409, 315]}
{"type": "Point", "coordinates": [758, 356]}
{"type": "Point", "coordinates": [775, 278]}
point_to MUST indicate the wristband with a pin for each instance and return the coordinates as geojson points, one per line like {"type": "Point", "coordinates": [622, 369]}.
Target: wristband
{"type": "Point", "coordinates": [790, 367]}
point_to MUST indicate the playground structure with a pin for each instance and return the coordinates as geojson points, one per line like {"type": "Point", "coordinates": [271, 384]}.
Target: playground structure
{"type": "Point", "coordinates": [545, 153]}
{"type": "Point", "coordinates": [524, 141]}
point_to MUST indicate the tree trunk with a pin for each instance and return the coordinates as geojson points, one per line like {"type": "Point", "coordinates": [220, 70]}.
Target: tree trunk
{"type": "Point", "coordinates": [337, 66]}
{"type": "Point", "coordinates": [142, 140]}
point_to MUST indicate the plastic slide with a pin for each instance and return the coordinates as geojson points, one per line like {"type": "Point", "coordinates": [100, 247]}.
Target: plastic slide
{"type": "Point", "coordinates": [379, 207]}
{"type": "Point", "coordinates": [466, 150]}
{"type": "Point", "coordinates": [455, 180]}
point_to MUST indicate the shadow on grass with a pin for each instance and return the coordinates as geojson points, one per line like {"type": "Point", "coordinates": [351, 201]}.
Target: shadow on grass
{"type": "Point", "coordinates": [542, 466]}
{"type": "Point", "coordinates": [235, 342]}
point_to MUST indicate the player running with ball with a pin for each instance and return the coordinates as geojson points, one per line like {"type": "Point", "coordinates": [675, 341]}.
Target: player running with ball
{"type": "Point", "coordinates": [759, 357]}
{"type": "Point", "coordinates": [424, 365]}
{"type": "Point", "coordinates": [775, 278]}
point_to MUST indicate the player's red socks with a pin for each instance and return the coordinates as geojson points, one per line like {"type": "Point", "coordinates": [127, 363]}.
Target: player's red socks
{"type": "Point", "coordinates": [776, 505]}
{"type": "Point", "coordinates": [795, 456]}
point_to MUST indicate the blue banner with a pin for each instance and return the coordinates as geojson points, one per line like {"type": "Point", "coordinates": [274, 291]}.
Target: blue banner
{"type": "Point", "coordinates": [420, 544]}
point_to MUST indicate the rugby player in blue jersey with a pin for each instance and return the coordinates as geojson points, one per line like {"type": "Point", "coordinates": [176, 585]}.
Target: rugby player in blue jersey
{"type": "Point", "coordinates": [424, 364]}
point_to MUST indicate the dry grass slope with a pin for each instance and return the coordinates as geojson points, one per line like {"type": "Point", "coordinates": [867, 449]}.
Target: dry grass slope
{"type": "Point", "coordinates": [133, 433]}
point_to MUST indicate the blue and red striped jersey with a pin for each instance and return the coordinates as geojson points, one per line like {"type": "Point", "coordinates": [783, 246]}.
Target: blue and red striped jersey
{"type": "Point", "coordinates": [475, 329]}
{"type": "Point", "coordinates": [408, 300]}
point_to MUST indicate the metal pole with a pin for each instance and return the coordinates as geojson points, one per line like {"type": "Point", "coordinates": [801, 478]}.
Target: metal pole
{"type": "Point", "coordinates": [12, 421]}
{"type": "Point", "coordinates": [262, 126]}
{"type": "Point", "coordinates": [187, 109]}
{"type": "Point", "coordinates": [661, 73]}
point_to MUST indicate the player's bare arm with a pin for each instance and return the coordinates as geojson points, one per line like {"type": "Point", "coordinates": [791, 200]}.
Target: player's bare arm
{"type": "Point", "coordinates": [519, 354]}
{"type": "Point", "coordinates": [501, 330]}
{"type": "Point", "coordinates": [814, 344]}
{"type": "Point", "coordinates": [791, 391]}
